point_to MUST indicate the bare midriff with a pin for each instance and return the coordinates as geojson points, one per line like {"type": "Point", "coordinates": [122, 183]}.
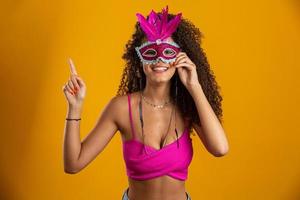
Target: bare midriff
{"type": "Point", "coordinates": [163, 187]}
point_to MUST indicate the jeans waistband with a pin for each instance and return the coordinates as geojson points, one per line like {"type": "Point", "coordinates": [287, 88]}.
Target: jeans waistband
{"type": "Point", "coordinates": [125, 195]}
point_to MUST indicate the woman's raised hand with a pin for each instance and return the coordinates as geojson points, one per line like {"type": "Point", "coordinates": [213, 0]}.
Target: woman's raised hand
{"type": "Point", "coordinates": [75, 88]}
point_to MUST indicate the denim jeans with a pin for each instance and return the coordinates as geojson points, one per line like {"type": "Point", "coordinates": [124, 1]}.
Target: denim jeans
{"type": "Point", "coordinates": [125, 195]}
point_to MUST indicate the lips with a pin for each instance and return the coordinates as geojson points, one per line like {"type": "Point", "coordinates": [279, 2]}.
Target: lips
{"type": "Point", "coordinates": [160, 68]}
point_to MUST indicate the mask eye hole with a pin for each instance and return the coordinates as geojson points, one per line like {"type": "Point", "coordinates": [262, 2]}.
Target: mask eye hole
{"type": "Point", "coordinates": [150, 53]}
{"type": "Point", "coordinates": [168, 52]}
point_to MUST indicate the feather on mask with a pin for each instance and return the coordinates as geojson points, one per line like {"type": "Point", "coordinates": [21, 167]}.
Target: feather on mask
{"type": "Point", "coordinates": [157, 26]}
{"type": "Point", "coordinates": [157, 29]}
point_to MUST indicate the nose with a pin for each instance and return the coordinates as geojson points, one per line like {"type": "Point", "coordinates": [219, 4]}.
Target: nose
{"type": "Point", "coordinates": [160, 62]}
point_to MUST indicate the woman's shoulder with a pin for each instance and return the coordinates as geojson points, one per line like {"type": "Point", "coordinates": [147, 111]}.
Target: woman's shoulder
{"type": "Point", "coordinates": [118, 107]}
{"type": "Point", "coordinates": [121, 101]}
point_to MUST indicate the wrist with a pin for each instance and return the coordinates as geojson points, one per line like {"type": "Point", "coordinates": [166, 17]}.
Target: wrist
{"type": "Point", "coordinates": [77, 106]}
{"type": "Point", "coordinates": [194, 89]}
{"type": "Point", "coordinates": [74, 111]}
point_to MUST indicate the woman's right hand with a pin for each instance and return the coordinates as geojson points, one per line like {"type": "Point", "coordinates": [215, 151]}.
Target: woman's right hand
{"type": "Point", "coordinates": [75, 88]}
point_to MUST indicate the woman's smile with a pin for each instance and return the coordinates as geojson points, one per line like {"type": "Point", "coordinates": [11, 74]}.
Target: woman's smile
{"type": "Point", "coordinates": [159, 68]}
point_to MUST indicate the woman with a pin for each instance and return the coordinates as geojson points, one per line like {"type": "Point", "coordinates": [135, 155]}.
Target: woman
{"type": "Point", "coordinates": [167, 89]}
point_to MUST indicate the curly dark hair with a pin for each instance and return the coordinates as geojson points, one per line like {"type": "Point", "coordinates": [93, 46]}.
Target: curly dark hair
{"type": "Point", "coordinates": [188, 37]}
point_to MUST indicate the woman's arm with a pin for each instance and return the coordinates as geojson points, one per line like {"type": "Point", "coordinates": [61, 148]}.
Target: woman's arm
{"type": "Point", "coordinates": [77, 154]}
{"type": "Point", "coordinates": [211, 133]}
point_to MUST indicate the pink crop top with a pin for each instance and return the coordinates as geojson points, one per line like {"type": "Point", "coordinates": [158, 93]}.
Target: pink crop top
{"type": "Point", "coordinates": [171, 160]}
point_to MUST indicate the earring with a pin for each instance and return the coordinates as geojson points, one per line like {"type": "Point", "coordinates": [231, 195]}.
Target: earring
{"type": "Point", "coordinates": [139, 75]}
{"type": "Point", "coordinates": [176, 88]}
{"type": "Point", "coordinates": [175, 110]}
{"type": "Point", "coordinates": [141, 83]}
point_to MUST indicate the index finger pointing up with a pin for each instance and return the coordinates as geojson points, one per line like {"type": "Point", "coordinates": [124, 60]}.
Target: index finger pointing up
{"type": "Point", "coordinates": [72, 67]}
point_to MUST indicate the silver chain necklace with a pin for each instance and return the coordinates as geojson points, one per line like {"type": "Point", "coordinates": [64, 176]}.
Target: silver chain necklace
{"type": "Point", "coordinates": [154, 105]}
{"type": "Point", "coordinates": [142, 125]}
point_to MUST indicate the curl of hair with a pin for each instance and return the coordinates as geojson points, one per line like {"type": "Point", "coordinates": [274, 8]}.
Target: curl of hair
{"type": "Point", "coordinates": [188, 37]}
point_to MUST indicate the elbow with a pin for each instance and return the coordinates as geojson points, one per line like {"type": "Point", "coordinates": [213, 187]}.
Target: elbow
{"type": "Point", "coordinates": [71, 169]}
{"type": "Point", "coordinates": [221, 151]}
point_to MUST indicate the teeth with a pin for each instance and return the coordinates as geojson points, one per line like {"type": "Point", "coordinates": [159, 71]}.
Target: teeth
{"type": "Point", "coordinates": [160, 69]}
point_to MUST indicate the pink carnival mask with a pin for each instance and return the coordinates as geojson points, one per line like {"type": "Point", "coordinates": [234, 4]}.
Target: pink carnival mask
{"type": "Point", "coordinates": [157, 30]}
{"type": "Point", "coordinates": [151, 52]}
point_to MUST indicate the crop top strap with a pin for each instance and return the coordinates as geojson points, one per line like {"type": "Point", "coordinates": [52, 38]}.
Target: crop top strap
{"type": "Point", "coordinates": [130, 116]}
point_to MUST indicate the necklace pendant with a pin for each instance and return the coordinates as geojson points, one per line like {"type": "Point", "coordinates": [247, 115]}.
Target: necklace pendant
{"type": "Point", "coordinates": [154, 105]}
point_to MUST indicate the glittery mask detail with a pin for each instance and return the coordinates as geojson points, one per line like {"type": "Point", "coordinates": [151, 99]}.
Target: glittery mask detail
{"type": "Point", "coordinates": [151, 52]}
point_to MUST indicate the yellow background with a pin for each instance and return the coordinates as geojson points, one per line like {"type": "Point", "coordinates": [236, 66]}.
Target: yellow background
{"type": "Point", "coordinates": [252, 46]}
